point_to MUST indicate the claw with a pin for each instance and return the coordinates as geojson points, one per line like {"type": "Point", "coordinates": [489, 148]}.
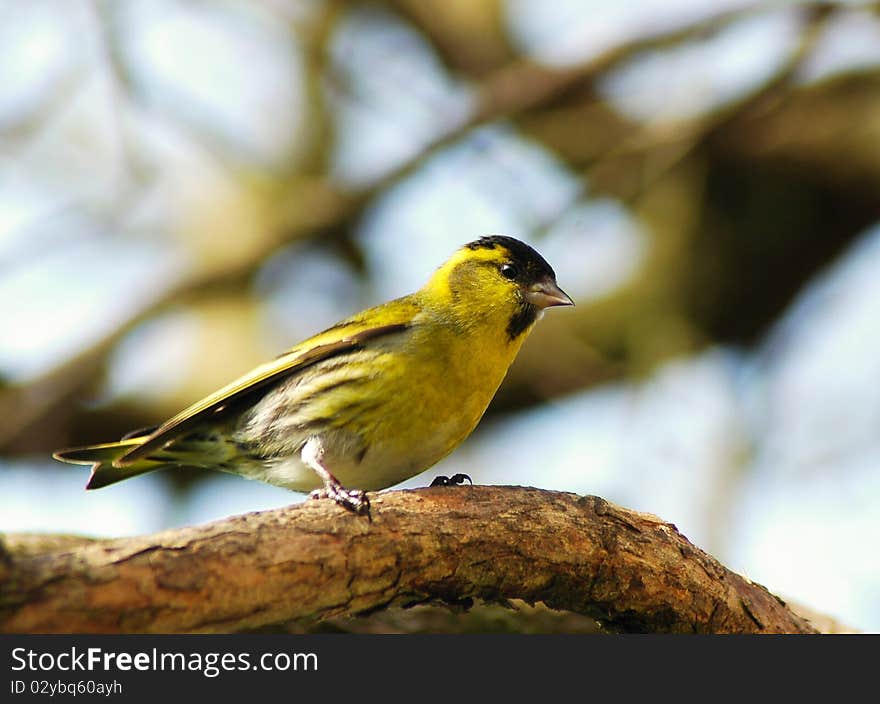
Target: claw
{"type": "Point", "coordinates": [354, 500]}
{"type": "Point", "coordinates": [454, 480]}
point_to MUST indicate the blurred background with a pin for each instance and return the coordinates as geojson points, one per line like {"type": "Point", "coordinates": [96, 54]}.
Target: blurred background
{"type": "Point", "coordinates": [188, 188]}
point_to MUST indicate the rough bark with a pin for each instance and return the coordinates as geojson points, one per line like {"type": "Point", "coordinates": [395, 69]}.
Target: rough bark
{"type": "Point", "coordinates": [314, 561]}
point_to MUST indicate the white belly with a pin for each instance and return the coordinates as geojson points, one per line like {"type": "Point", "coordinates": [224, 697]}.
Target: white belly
{"type": "Point", "coordinates": [378, 468]}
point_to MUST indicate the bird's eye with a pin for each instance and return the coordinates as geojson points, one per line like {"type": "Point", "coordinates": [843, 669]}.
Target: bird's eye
{"type": "Point", "coordinates": [509, 271]}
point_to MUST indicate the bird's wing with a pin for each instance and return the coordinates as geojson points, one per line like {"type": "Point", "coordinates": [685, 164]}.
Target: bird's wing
{"type": "Point", "coordinates": [340, 339]}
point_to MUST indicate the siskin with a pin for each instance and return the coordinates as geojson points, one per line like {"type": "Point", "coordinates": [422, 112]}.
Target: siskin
{"type": "Point", "coordinates": [367, 403]}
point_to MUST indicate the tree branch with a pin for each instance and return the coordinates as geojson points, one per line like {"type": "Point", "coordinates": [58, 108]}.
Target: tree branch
{"type": "Point", "coordinates": [631, 571]}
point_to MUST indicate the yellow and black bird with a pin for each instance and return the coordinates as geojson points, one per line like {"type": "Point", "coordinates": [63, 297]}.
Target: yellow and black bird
{"type": "Point", "coordinates": [367, 403]}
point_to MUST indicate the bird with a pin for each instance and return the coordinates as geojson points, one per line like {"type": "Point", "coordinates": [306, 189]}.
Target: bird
{"type": "Point", "coordinates": [369, 402]}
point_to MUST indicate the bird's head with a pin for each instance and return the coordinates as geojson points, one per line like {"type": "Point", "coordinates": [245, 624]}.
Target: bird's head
{"type": "Point", "coordinates": [496, 277]}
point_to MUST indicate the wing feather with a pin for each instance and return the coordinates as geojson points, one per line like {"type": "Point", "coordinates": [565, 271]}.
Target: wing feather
{"type": "Point", "coordinates": [284, 366]}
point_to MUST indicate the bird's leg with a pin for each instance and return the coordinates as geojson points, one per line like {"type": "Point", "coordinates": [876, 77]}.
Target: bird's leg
{"type": "Point", "coordinates": [454, 480]}
{"type": "Point", "coordinates": [352, 499]}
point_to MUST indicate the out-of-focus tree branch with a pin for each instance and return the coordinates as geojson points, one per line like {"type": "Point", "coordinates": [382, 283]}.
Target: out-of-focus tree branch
{"type": "Point", "coordinates": [306, 205]}
{"type": "Point", "coordinates": [469, 36]}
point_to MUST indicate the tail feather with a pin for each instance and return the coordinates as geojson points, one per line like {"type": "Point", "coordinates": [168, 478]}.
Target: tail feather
{"type": "Point", "coordinates": [101, 457]}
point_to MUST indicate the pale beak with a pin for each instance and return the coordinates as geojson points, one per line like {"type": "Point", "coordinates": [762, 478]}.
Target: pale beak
{"type": "Point", "coordinates": [546, 293]}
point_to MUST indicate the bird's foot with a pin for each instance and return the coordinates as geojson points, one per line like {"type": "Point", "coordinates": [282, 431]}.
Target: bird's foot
{"type": "Point", "coordinates": [354, 500]}
{"type": "Point", "coordinates": [454, 480]}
